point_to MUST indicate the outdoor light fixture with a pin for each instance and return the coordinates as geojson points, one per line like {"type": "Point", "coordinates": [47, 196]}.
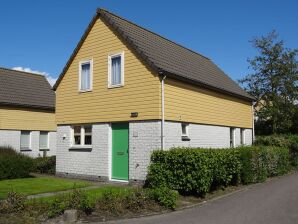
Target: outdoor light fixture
{"type": "Point", "coordinates": [134, 114]}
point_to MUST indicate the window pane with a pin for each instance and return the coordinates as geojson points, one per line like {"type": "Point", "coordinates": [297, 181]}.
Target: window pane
{"type": "Point", "coordinates": [25, 139]}
{"type": "Point", "coordinates": [184, 129]}
{"type": "Point", "coordinates": [116, 71]}
{"type": "Point", "coordinates": [43, 140]}
{"type": "Point", "coordinates": [85, 76]}
{"type": "Point", "coordinates": [77, 135]}
{"type": "Point", "coordinates": [88, 135]}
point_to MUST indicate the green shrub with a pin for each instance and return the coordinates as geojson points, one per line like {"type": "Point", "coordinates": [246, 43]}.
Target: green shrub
{"type": "Point", "coordinates": [77, 199]}
{"type": "Point", "coordinates": [14, 203]}
{"type": "Point", "coordinates": [13, 164]}
{"type": "Point", "coordinates": [164, 196]}
{"type": "Point", "coordinates": [46, 165]}
{"type": "Point", "coordinates": [192, 170]}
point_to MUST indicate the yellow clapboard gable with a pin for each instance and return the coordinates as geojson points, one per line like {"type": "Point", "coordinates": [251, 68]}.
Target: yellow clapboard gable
{"type": "Point", "coordinates": [26, 119]}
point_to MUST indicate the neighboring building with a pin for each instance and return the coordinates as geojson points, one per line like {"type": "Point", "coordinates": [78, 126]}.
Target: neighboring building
{"type": "Point", "coordinates": [27, 113]}
{"type": "Point", "coordinates": [119, 84]}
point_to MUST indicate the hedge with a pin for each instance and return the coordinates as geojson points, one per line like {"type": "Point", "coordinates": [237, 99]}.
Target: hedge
{"type": "Point", "coordinates": [45, 165]}
{"type": "Point", "coordinates": [288, 141]}
{"type": "Point", "coordinates": [198, 171]}
{"type": "Point", "coordinates": [14, 164]}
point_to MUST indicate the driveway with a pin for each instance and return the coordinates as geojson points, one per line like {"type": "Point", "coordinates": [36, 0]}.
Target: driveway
{"type": "Point", "coordinates": [273, 202]}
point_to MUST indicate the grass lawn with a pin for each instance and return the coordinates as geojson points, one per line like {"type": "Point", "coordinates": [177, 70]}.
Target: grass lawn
{"type": "Point", "coordinates": [38, 185]}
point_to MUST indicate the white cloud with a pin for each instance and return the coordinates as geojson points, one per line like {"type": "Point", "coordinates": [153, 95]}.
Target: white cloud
{"type": "Point", "coordinates": [50, 79]}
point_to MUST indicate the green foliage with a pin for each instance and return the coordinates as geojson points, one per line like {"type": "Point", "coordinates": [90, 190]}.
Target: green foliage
{"type": "Point", "coordinates": [274, 83]}
{"type": "Point", "coordinates": [14, 203]}
{"type": "Point", "coordinates": [287, 141]}
{"type": "Point", "coordinates": [258, 163]}
{"type": "Point", "coordinates": [45, 165]}
{"type": "Point", "coordinates": [191, 170]}
{"type": "Point", "coordinates": [198, 171]}
{"type": "Point", "coordinates": [13, 164]}
{"type": "Point", "coordinates": [164, 196]}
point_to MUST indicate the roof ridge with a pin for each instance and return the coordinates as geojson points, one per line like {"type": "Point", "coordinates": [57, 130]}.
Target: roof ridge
{"type": "Point", "coordinates": [180, 45]}
{"type": "Point", "coordinates": [15, 70]}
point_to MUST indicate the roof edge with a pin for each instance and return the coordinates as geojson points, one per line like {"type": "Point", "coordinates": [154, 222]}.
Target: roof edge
{"type": "Point", "coordinates": [52, 109]}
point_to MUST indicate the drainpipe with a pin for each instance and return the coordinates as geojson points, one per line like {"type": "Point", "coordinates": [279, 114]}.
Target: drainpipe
{"type": "Point", "coordinates": [253, 122]}
{"type": "Point", "coordinates": [163, 112]}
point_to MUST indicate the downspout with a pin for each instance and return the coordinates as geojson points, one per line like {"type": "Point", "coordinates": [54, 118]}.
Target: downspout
{"type": "Point", "coordinates": [163, 112]}
{"type": "Point", "coordinates": [253, 122]}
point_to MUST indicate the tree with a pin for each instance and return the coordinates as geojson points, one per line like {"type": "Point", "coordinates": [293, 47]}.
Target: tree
{"type": "Point", "coordinates": [273, 82]}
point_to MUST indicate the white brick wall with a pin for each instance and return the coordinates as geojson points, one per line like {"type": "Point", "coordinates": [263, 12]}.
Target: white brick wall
{"type": "Point", "coordinates": [206, 136]}
{"type": "Point", "coordinates": [84, 163]}
{"type": "Point", "coordinates": [12, 138]}
{"type": "Point", "coordinates": [144, 137]}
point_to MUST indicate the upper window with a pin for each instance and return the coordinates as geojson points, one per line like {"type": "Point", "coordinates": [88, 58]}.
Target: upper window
{"type": "Point", "coordinates": [85, 76]}
{"type": "Point", "coordinates": [82, 135]}
{"type": "Point", "coordinates": [116, 70]}
{"type": "Point", "coordinates": [25, 140]}
{"type": "Point", "coordinates": [242, 136]}
{"type": "Point", "coordinates": [43, 140]}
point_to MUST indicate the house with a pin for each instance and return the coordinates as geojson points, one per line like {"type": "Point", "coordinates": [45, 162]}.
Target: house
{"type": "Point", "coordinates": [27, 113]}
{"type": "Point", "coordinates": [127, 91]}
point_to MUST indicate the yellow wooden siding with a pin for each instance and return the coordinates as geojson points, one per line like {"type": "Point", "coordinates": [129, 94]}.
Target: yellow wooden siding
{"type": "Point", "coordinates": [187, 103]}
{"type": "Point", "coordinates": [141, 91]}
{"type": "Point", "coordinates": [26, 119]}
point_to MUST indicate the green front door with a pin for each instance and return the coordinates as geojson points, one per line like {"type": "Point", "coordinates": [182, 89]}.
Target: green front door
{"type": "Point", "coordinates": [120, 151]}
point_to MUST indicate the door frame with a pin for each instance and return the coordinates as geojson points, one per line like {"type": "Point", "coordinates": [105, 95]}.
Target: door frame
{"type": "Point", "coordinates": [110, 154]}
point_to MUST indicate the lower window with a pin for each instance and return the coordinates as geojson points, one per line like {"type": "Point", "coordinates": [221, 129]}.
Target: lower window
{"type": "Point", "coordinates": [25, 143]}
{"type": "Point", "coordinates": [82, 135]}
{"type": "Point", "coordinates": [44, 140]}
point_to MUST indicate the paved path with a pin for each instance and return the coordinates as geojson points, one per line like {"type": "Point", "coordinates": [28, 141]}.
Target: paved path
{"type": "Point", "coordinates": [274, 202]}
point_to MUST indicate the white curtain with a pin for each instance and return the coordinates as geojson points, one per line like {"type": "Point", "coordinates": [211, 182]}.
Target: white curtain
{"type": "Point", "coordinates": [116, 71]}
{"type": "Point", "coordinates": [85, 77]}
{"type": "Point", "coordinates": [25, 139]}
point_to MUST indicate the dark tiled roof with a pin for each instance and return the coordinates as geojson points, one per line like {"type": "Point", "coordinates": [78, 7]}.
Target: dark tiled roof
{"type": "Point", "coordinates": [25, 89]}
{"type": "Point", "coordinates": [167, 57]}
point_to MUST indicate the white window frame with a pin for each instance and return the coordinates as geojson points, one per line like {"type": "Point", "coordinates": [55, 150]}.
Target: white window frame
{"type": "Point", "coordinates": [90, 61]}
{"type": "Point", "coordinates": [29, 148]}
{"type": "Point", "coordinates": [48, 139]}
{"type": "Point", "coordinates": [82, 145]}
{"type": "Point", "coordinates": [186, 129]}
{"type": "Point", "coordinates": [110, 57]}
{"type": "Point", "coordinates": [242, 136]}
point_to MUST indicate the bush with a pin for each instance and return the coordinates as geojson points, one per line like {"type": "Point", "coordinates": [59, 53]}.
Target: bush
{"type": "Point", "coordinates": [258, 163]}
{"type": "Point", "coordinates": [14, 203]}
{"type": "Point", "coordinates": [164, 196]}
{"type": "Point", "coordinates": [46, 165]}
{"type": "Point", "coordinates": [14, 164]}
{"type": "Point", "coordinates": [287, 141]}
{"type": "Point", "coordinates": [191, 170]}
{"type": "Point", "coordinates": [198, 171]}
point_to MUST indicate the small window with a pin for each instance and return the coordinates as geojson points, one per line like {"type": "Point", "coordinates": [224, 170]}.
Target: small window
{"type": "Point", "coordinates": [25, 140]}
{"type": "Point", "coordinates": [43, 140]}
{"type": "Point", "coordinates": [116, 70]}
{"type": "Point", "coordinates": [184, 132]}
{"type": "Point", "coordinates": [85, 76]}
{"type": "Point", "coordinates": [242, 136]}
{"type": "Point", "coordinates": [232, 137]}
{"type": "Point", "coordinates": [82, 135]}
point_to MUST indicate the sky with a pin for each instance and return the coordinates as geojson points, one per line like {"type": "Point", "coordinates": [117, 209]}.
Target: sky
{"type": "Point", "coordinates": [40, 35]}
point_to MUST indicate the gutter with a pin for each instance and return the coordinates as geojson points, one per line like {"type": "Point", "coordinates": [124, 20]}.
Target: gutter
{"type": "Point", "coordinates": [162, 110]}
{"type": "Point", "coordinates": [253, 122]}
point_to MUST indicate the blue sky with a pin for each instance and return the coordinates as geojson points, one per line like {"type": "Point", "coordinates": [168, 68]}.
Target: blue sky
{"type": "Point", "coordinates": [41, 35]}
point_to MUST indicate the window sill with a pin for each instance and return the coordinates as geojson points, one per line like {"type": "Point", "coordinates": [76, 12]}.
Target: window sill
{"type": "Point", "coordinates": [25, 150]}
{"type": "Point", "coordinates": [80, 148]}
{"type": "Point", "coordinates": [185, 138]}
{"type": "Point", "coordinates": [115, 86]}
{"type": "Point", "coordinates": [44, 149]}
{"type": "Point", "coordinates": [85, 91]}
